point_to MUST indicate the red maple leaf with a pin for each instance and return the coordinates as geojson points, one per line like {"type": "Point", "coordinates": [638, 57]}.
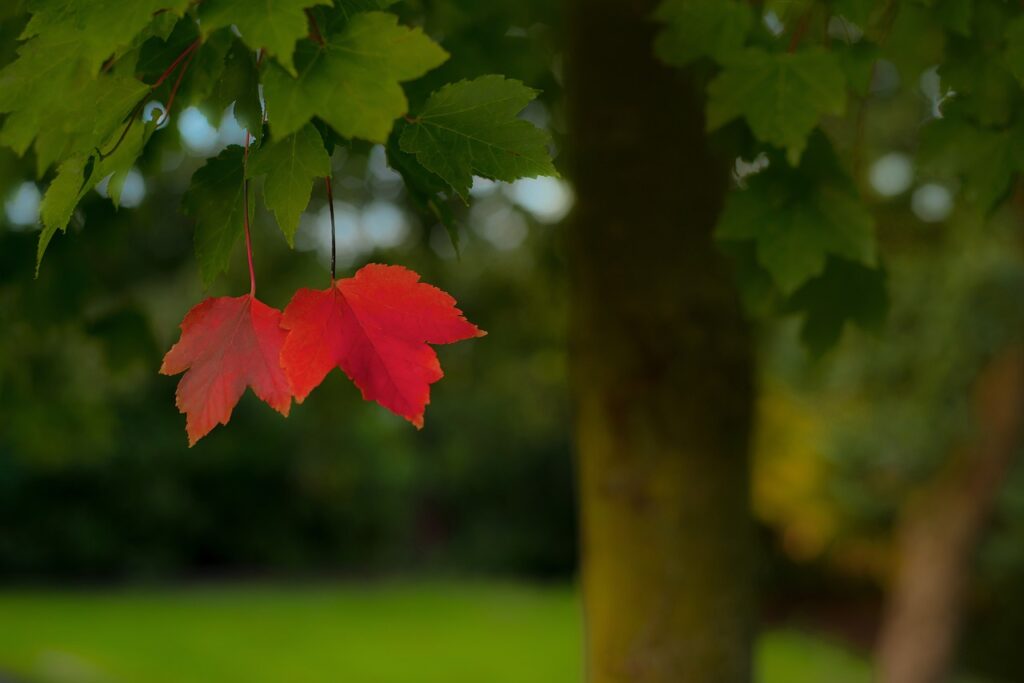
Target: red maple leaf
{"type": "Point", "coordinates": [376, 327]}
{"type": "Point", "coordinates": [226, 345]}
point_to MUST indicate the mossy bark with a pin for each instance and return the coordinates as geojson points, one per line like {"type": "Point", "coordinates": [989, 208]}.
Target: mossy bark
{"type": "Point", "coordinates": [661, 367]}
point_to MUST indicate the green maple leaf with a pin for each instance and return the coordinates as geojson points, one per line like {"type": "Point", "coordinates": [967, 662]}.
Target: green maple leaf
{"type": "Point", "coordinates": [331, 20]}
{"type": "Point", "coordinates": [33, 89]}
{"type": "Point", "coordinates": [91, 30]}
{"type": "Point", "coordinates": [956, 15]}
{"type": "Point", "coordinates": [788, 11]}
{"type": "Point", "coordinates": [239, 84]}
{"type": "Point", "coordinates": [157, 52]}
{"type": "Point", "coordinates": [983, 159]}
{"type": "Point", "coordinates": [350, 7]}
{"type": "Point", "coordinates": [61, 197]}
{"type": "Point", "coordinates": [291, 166]}
{"type": "Point", "coordinates": [203, 87]}
{"type": "Point", "coordinates": [221, 71]}
{"type": "Point", "coordinates": [845, 292]}
{"type": "Point", "coordinates": [60, 108]}
{"type": "Point", "coordinates": [160, 28]}
{"type": "Point", "coordinates": [121, 161]}
{"type": "Point", "coordinates": [108, 101]}
{"type": "Point", "coordinates": [471, 128]}
{"type": "Point", "coordinates": [214, 200]}
{"type": "Point", "coordinates": [1014, 55]}
{"type": "Point", "coordinates": [915, 40]}
{"type": "Point", "coordinates": [424, 188]}
{"type": "Point", "coordinates": [985, 88]}
{"type": "Point", "coordinates": [273, 25]}
{"type": "Point", "coordinates": [701, 28]}
{"type": "Point", "coordinates": [858, 63]}
{"type": "Point", "coordinates": [93, 118]}
{"type": "Point", "coordinates": [80, 173]}
{"type": "Point", "coordinates": [797, 219]}
{"type": "Point", "coordinates": [344, 10]}
{"type": "Point", "coordinates": [782, 97]}
{"type": "Point", "coordinates": [856, 11]}
{"type": "Point", "coordinates": [352, 82]}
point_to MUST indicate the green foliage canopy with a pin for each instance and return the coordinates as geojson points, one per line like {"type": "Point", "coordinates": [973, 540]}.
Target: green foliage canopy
{"type": "Point", "coordinates": [302, 76]}
{"type": "Point", "coordinates": [796, 84]}
{"type": "Point", "coordinates": [792, 81]}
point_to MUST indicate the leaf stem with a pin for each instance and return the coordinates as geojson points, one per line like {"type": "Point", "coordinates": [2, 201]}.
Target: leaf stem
{"type": "Point", "coordinates": [124, 133]}
{"type": "Point", "coordinates": [177, 60]}
{"type": "Point", "coordinates": [334, 250]}
{"type": "Point", "coordinates": [174, 91]}
{"type": "Point", "coordinates": [800, 30]}
{"type": "Point", "coordinates": [245, 214]}
{"type": "Point", "coordinates": [188, 52]}
{"type": "Point", "coordinates": [314, 30]}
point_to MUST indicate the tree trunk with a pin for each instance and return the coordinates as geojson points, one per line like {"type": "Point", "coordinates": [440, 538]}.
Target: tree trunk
{"type": "Point", "coordinates": [661, 368]}
{"type": "Point", "coordinates": [941, 529]}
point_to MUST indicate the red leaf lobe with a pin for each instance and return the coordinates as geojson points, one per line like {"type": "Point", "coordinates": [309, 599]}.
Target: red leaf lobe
{"type": "Point", "coordinates": [376, 327]}
{"type": "Point", "coordinates": [226, 345]}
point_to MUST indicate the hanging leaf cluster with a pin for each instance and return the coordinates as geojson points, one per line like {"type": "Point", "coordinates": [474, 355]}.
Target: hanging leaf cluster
{"type": "Point", "coordinates": [301, 77]}
{"type": "Point", "coordinates": [374, 326]}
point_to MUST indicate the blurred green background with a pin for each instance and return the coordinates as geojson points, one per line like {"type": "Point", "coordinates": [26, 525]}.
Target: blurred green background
{"type": "Point", "coordinates": [342, 544]}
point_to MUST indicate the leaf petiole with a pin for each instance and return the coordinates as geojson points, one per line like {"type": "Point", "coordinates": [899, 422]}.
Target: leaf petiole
{"type": "Point", "coordinates": [334, 250]}
{"type": "Point", "coordinates": [245, 214]}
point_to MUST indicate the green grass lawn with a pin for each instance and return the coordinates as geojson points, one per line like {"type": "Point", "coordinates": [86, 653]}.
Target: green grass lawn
{"type": "Point", "coordinates": [387, 633]}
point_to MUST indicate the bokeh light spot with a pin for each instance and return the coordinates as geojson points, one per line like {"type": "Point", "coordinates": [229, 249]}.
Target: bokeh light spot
{"type": "Point", "coordinates": [199, 136]}
{"type": "Point", "coordinates": [932, 202]}
{"type": "Point", "coordinates": [22, 207]}
{"type": "Point", "coordinates": [891, 174]}
{"type": "Point", "coordinates": [548, 200]}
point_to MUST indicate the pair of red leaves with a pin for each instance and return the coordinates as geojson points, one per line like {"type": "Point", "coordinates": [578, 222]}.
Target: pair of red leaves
{"type": "Point", "coordinates": [375, 326]}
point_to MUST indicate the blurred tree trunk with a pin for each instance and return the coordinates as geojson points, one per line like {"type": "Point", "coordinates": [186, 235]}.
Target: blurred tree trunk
{"type": "Point", "coordinates": [941, 528]}
{"type": "Point", "coordinates": [661, 367]}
